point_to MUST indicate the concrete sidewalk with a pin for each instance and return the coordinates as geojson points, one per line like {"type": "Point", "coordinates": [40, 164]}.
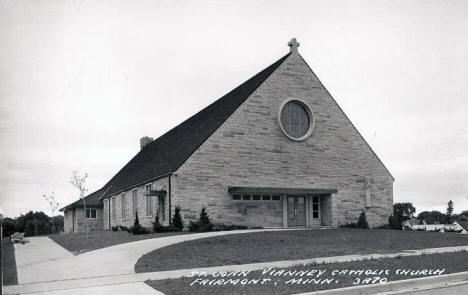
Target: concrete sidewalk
{"type": "Point", "coordinates": [42, 260]}
{"type": "Point", "coordinates": [174, 274]}
{"type": "Point", "coordinates": [38, 250]}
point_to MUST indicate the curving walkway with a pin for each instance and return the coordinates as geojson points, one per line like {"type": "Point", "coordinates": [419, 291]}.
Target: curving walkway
{"type": "Point", "coordinates": [46, 263]}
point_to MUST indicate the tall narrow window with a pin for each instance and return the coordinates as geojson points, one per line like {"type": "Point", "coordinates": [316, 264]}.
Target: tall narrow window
{"type": "Point", "coordinates": [122, 207]}
{"type": "Point", "coordinates": [134, 202]}
{"type": "Point", "coordinates": [315, 207]}
{"type": "Point", "coordinates": [161, 209]}
{"type": "Point", "coordinates": [114, 215]}
{"type": "Point", "coordinates": [149, 205]}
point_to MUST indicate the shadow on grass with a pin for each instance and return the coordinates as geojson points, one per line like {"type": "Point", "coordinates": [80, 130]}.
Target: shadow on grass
{"type": "Point", "coordinates": [10, 276]}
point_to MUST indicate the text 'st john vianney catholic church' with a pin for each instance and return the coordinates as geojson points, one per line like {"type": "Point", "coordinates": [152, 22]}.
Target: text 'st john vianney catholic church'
{"type": "Point", "coordinates": [277, 151]}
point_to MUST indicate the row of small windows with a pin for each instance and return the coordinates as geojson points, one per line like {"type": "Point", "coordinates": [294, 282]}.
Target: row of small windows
{"type": "Point", "coordinates": [256, 197]}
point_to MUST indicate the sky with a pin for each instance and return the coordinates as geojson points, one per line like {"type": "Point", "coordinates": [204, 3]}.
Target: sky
{"type": "Point", "coordinates": [82, 81]}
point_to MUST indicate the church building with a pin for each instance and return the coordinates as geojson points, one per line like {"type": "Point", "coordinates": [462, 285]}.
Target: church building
{"type": "Point", "coordinates": [277, 151]}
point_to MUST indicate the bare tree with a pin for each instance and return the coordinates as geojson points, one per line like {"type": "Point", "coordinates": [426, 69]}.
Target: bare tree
{"type": "Point", "coordinates": [53, 206]}
{"type": "Point", "coordinates": [79, 182]}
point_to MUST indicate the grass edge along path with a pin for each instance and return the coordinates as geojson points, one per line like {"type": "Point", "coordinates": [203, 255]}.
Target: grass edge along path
{"type": "Point", "coordinates": [290, 245]}
{"type": "Point", "coordinates": [316, 277]}
{"type": "Point", "coordinates": [77, 243]}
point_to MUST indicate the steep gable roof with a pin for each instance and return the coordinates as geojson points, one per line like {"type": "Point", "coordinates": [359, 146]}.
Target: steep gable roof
{"type": "Point", "coordinates": [168, 152]}
{"type": "Point", "coordinates": [92, 200]}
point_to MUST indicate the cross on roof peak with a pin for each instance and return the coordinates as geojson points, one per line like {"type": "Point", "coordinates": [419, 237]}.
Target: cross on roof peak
{"type": "Point", "coordinates": [294, 45]}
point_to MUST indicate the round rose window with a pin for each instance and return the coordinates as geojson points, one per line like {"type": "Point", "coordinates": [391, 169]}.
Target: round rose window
{"type": "Point", "coordinates": [296, 119]}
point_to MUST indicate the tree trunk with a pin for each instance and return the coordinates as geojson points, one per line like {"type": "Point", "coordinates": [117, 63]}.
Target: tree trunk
{"type": "Point", "coordinates": [85, 220]}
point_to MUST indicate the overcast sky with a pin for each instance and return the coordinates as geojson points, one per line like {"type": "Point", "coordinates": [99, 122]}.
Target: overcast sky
{"type": "Point", "coordinates": [82, 81]}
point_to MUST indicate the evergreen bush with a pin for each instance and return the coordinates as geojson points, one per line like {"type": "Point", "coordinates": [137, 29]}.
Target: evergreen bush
{"type": "Point", "coordinates": [362, 221]}
{"type": "Point", "coordinates": [177, 219]}
{"type": "Point", "coordinates": [137, 229]}
{"type": "Point", "coordinates": [203, 224]}
{"type": "Point", "coordinates": [158, 227]}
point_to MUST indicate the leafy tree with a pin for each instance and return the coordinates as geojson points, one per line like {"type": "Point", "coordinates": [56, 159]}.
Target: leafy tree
{"type": "Point", "coordinates": [449, 211]}
{"type": "Point", "coordinates": [401, 212]}
{"type": "Point", "coordinates": [392, 223]}
{"type": "Point", "coordinates": [9, 226]}
{"type": "Point", "coordinates": [432, 217]}
{"type": "Point", "coordinates": [177, 219]}
{"type": "Point", "coordinates": [463, 216]}
{"type": "Point", "coordinates": [33, 224]}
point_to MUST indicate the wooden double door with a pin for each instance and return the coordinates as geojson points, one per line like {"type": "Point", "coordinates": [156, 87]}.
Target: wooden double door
{"type": "Point", "coordinates": [296, 210]}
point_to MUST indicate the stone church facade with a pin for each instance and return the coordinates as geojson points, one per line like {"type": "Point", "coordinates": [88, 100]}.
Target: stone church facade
{"type": "Point", "coordinates": [277, 151]}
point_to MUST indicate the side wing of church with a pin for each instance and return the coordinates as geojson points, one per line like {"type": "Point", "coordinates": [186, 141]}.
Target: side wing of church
{"type": "Point", "coordinates": [277, 151]}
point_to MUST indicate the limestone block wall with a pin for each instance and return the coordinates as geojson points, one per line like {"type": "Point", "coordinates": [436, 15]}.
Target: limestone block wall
{"type": "Point", "coordinates": [260, 213]}
{"type": "Point", "coordinates": [144, 219]}
{"type": "Point", "coordinates": [68, 221]}
{"type": "Point", "coordinates": [105, 214]}
{"type": "Point", "coordinates": [90, 224]}
{"type": "Point", "coordinates": [250, 150]}
{"type": "Point", "coordinates": [326, 212]}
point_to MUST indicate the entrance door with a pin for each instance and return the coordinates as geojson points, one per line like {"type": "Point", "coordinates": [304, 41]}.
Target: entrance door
{"type": "Point", "coordinates": [296, 211]}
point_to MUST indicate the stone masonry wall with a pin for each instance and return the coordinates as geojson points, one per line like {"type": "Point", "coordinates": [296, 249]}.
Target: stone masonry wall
{"type": "Point", "coordinates": [105, 214]}
{"type": "Point", "coordinates": [91, 224]}
{"type": "Point", "coordinates": [249, 149]}
{"type": "Point", "coordinates": [145, 220]}
{"type": "Point", "coordinates": [68, 221]}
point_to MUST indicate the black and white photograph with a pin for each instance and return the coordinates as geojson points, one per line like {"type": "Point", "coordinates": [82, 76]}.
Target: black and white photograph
{"type": "Point", "coordinates": [233, 147]}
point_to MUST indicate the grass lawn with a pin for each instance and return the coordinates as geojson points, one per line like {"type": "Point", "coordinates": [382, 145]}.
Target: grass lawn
{"type": "Point", "coordinates": [336, 275]}
{"type": "Point", "coordinates": [77, 242]}
{"type": "Point", "coordinates": [289, 245]}
{"type": "Point", "coordinates": [9, 263]}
